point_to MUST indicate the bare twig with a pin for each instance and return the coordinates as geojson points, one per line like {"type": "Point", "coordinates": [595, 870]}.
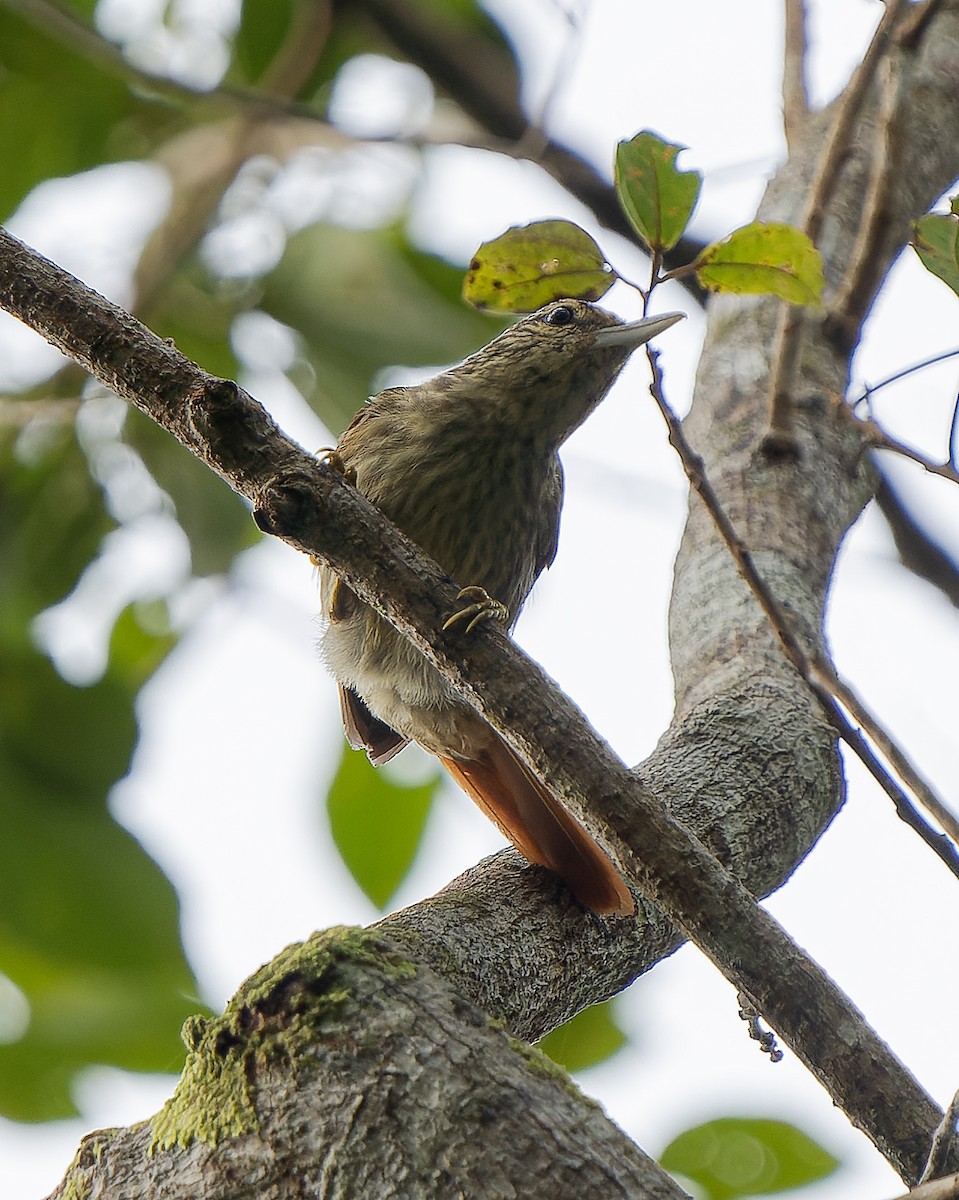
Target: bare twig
{"type": "Point", "coordinates": [17, 414]}
{"type": "Point", "coordinates": [914, 24]}
{"type": "Point", "coordinates": [782, 377]}
{"type": "Point", "coordinates": [946, 1188]}
{"type": "Point", "coordinates": [852, 295]}
{"type": "Point", "coordinates": [873, 433]}
{"type": "Point", "coordinates": [837, 142]}
{"type": "Point", "coordinates": [780, 438]}
{"type": "Point", "coordinates": [871, 389]}
{"type": "Point", "coordinates": [918, 550]}
{"type": "Point", "coordinates": [795, 93]}
{"type": "Point", "coordinates": [943, 1142]}
{"type": "Point", "coordinates": [818, 674]}
{"type": "Point", "coordinates": [535, 139]}
{"type": "Point", "coordinates": [892, 753]}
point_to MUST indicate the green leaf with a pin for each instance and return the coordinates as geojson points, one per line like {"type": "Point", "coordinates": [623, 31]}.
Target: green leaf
{"type": "Point", "coordinates": [60, 114]}
{"type": "Point", "coordinates": [657, 197]}
{"type": "Point", "coordinates": [530, 265]}
{"type": "Point", "coordinates": [936, 241]}
{"type": "Point", "coordinates": [589, 1038]}
{"type": "Point", "coordinates": [89, 925]}
{"type": "Point", "coordinates": [377, 824]}
{"type": "Point", "coordinates": [743, 1156]}
{"type": "Point", "coordinates": [760, 259]}
{"type": "Point", "coordinates": [365, 300]}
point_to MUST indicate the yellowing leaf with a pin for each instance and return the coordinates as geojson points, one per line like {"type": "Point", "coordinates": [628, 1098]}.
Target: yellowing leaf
{"type": "Point", "coordinates": [936, 241]}
{"type": "Point", "coordinates": [759, 259]}
{"type": "Point", "coordinates": [657, 197]}
{"type": "Point", "coordinates": [530, 265]}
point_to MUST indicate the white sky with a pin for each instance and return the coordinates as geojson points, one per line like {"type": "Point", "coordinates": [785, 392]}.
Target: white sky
{"type": "Point", "coordinates": [871, 904]}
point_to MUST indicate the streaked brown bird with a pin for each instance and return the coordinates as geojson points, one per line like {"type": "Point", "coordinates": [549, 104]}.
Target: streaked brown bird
{"type": "Point", "coordinates": [466, 464]}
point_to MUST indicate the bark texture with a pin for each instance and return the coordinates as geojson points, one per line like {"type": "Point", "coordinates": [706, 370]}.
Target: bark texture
{"type": "Point", "coordinates": [361, 1077]}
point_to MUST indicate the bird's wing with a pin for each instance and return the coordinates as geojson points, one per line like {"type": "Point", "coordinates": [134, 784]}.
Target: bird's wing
{"type": "Point", "coordinates": [366, 732]}
{"type": "Point", "coordinates": [539, 827]}
{"type": "Point", "coordinates": [549, 530]}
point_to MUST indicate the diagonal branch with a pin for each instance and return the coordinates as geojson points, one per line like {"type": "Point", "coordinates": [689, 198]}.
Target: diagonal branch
{"type": "Point", "coordinates": [795, 50]}
{"type": "Point", "coordinates": [312, 509]}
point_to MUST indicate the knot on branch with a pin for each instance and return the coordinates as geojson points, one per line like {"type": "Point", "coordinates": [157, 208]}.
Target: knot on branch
{"type": "Point", "coordinates": [283, 505]}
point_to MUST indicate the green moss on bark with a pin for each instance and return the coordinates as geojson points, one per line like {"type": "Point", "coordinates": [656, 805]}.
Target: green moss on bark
{"type": "Point", "coordinates": [277, 1015]}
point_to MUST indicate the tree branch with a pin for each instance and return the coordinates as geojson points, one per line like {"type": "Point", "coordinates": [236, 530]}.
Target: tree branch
{"type": "Point", "coordinates": [795, 49]}
{"type": "Point", "coordinates": [311, 508]}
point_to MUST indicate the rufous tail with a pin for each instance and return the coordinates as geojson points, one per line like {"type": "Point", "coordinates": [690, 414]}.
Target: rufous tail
{"type": "Point", "coordinates": [539, 827]}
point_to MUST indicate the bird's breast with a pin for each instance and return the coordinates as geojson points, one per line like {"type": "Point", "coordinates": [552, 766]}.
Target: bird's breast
{"type": "Point", "coordinates": [470, 495]}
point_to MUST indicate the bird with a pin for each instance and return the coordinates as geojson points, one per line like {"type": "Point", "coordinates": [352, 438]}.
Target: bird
{"type": "Point", "coordinates": [466, 464]}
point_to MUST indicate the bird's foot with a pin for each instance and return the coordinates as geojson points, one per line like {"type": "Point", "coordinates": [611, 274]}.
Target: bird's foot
{"type": "Point", "coordinates": [482, 607]}
{"type": "Point", "coordinates": [331, 456]}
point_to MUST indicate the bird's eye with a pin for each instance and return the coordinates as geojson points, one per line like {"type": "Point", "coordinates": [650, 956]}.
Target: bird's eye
{"type": "Point", "coordinates": [560, 316]}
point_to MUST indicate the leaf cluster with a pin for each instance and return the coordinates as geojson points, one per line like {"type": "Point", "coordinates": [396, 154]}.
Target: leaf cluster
{"type": "Point", "coordinates": [527, 267]}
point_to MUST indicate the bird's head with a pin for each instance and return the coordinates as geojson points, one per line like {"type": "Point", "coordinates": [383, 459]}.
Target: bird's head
{"type": "Point", "coordinates": [552, 368]}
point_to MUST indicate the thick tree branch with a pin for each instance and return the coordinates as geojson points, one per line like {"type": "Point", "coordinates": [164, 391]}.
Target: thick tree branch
{"type": "Point", "coordinates": [306, 504]}
{"type": "Point", "coordinates": [343, 1069]}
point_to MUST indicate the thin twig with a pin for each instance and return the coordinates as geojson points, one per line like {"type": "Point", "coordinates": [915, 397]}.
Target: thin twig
{"type": "Point", "coordinates": [871, 389]}
{"type": "Point", "coordinates": [873, 434]}
{"type": "Point", "coordinates": [837, 143]}
{"type": "Point", "coordinates": [782, 377]}
{"type": "Point", "coordinates": [535, 140]}
{"type": "Point", "coordinates": [914, 24]}
{"type": "Point", "coordinates": [887, 746]}
{"type": "Point", "coordinates": [918, 551]}
{"type": "Point", "coordinates": [17, 414]}
{"type": "Point", "coordinates": [876, 436]}
{"type": "Point", "coordinates": [811, 668]}
{"type": "Point", "coordinates": [946, 1188]}
{"type": "Point", "coordinates": [795, 92]}
{"type": "Point", "coordinates": [942, 1142]}
{"type": "Point", "coordinates": [780, 438]}
{"type": "Point", "coordinates": [852, 294]}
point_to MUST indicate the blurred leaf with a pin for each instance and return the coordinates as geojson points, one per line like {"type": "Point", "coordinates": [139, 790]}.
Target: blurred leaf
{"type": "Point", "coordinates": [589, 1038]}
{"type": "Point", "coordinates": [377, 824]}
{"type": "Point", "coordinates": [215, 519]}
{"type": "Point", "coordinates": [760, 259]}
{"type": "Point", "coordinates": [52, 521]}
{"type": "Point", "coordinates": [657, 197]}
{"type": "Point", "coordinates": [363, 301]}
{"type": "Point", "coordinates": [936, 241]}
{"type": "Point", "coordinates": [742, 1156]}
{"type": "Point", "coordinates": [263, 26]}
{"type": "Point", "coordinates": [140, 641]}
{"type": "Point", "coordinates": [89, 926]}
{"type": "Point", "coordinates": [59, 113]}
{"type": "Point", "coordinates": [530, 265]}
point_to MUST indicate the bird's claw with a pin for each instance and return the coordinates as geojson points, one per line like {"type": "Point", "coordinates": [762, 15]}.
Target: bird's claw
{"type": "Point", "coordinates": [333, 459]}
{"type": "Point", "coordinates": [482, 608]}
